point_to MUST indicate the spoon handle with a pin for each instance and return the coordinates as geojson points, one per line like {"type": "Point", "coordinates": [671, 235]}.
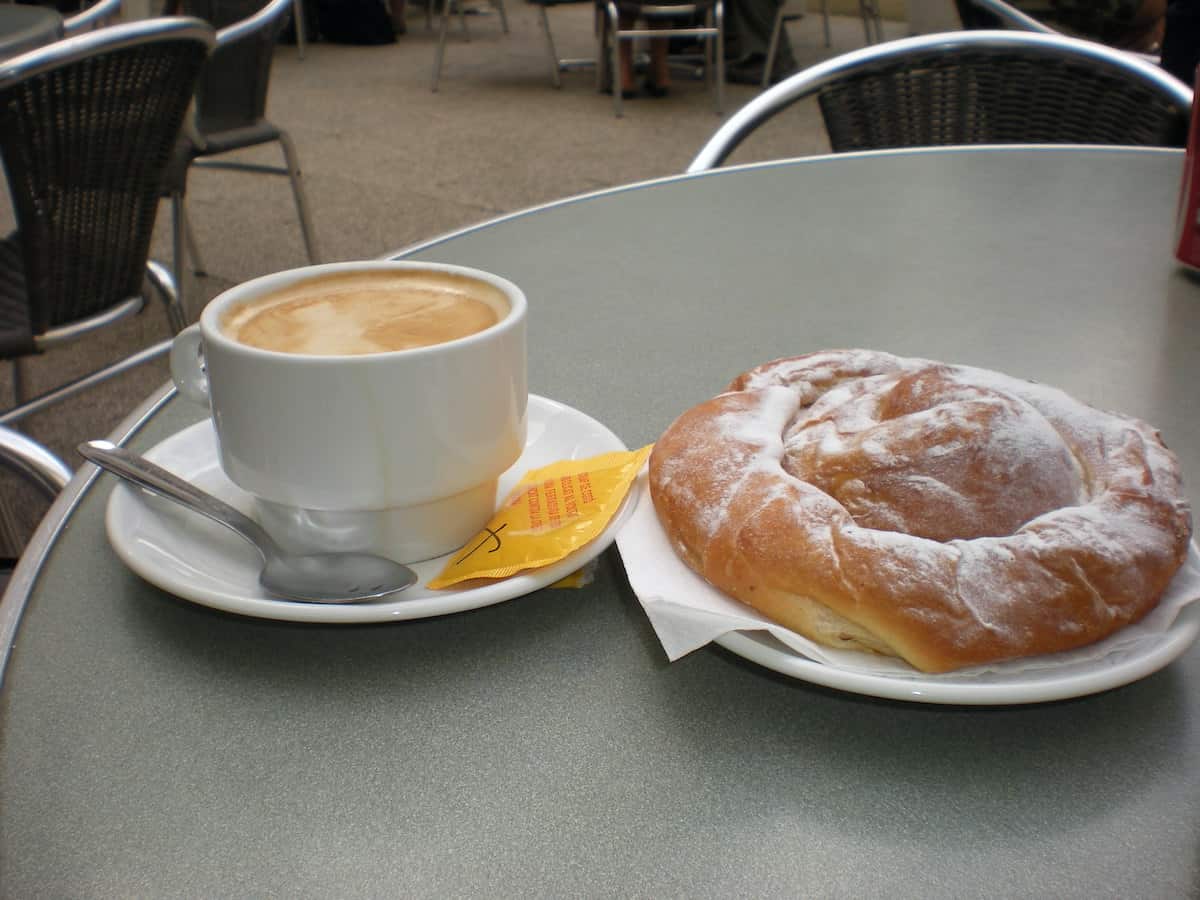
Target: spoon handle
{"type": "Point", "coordinates": [142, 472]}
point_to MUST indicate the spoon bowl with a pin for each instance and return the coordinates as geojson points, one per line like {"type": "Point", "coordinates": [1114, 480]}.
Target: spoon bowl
{"type": "Point", "coordinates": [318, 577]}
{"type": "Point", "coordinates": [306, 578]}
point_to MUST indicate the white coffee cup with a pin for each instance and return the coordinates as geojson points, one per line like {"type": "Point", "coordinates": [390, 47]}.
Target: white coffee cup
{"type": "Point", "coordinates": [394, 452]}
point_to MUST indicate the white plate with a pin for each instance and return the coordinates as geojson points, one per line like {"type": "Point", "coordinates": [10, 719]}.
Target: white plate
{"type": "Point", "coordinates": [198, 560]}
{"type": "Point", "coordinates": [988, 689]}
{"type": "Point", "coordinates": [687, 613]}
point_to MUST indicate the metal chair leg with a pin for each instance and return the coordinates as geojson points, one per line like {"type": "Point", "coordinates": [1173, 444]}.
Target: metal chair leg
{"type": "Point", "coordinates": [866, 11]}
{"type": "Point", "coordinates": [719, 18]}
{"type": "Point", "coordinates": [708, 60]}
{"type": "Point", "coordinates": [612, 28]}
{"type": "Point", "coordinates": [293, 168]}
{"type": "Point", "coordinates": [178, 239]}
{"type": "Point", "coordinates": [193, 249]}
{"type": "Point", "coordinates": [876, 19]}
{"type": "Point", "coordinates": [555, 79]}
{"type": "Point", "coordinates": [825, 17]}
{"type": "Point", "coordinates": [164, 284]}
{"type": "Point", "coordinates": [440, 52]}
{"type": "Point", "coordinates": [499, 4]}
{"type": "Point", "coordinates": [20, 391]}
{"type": "Point", "coordinates": [610, 46]}
{"type": "Point", "coordinates": [298, 18]}
{"type": "Point", "coordinates": [600, 29]}
{"type": "Point", "coordinates": [773, 45]}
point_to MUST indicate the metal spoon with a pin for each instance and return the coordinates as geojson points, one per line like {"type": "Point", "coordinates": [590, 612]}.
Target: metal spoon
{"type": "Point", "coordinates": [310, 578]}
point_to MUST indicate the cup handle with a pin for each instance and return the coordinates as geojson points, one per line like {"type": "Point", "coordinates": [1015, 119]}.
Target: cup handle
{"type": "Point", "coordinates": [188, 370]}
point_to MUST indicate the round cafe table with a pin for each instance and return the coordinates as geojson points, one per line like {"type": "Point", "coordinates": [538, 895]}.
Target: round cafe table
{"type": "Point", "coordinates": [24, 28]}
{"type": "Point", "coordinates": [544, 746]}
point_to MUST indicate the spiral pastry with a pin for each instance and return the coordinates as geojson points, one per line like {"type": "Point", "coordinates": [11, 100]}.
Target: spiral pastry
{"type": "Point", "coordinates": [947, 515]}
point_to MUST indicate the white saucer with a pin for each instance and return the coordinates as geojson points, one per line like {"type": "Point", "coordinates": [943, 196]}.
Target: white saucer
{"type": "Point", "coordinates": [989, 689]}
{"type": "Point", "coordinates": [198, 560]}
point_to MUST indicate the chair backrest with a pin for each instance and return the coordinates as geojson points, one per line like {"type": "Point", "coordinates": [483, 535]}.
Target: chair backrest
{"type": "Point", "coordinates": [975, 87]}
{"type": "Point", "coordinates": [87, 125]}
{"type": "Point", "coordinates": [232, 92]}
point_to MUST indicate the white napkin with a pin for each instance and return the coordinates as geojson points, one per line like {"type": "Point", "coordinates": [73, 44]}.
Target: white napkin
{"type": "Point", "coordinates": [687, 612]}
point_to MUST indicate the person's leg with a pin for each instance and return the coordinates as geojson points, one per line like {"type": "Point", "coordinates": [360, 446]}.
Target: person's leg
{"type": "Point", "coordinates": [625, 55]}
{"type": "Point", "coordinates": [660, 69]}
{"type": "Point", "coordinates": [628, 83]}
{"type": "Point", "coordinates": [748, 26]}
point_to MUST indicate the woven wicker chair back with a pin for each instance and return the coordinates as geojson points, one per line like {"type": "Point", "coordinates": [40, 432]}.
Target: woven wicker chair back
{"type": "Point", "coordinates": [84, 145]}
{"type": "Point", "coordinates": [974, 87]}
{"type": "Point", "coordinates": [984, 96]}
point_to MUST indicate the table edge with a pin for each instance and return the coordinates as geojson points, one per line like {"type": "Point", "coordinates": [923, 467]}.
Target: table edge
{"type": "Point", "coordinates": [430, 243]}
{"type": "Point", "coordinates": [29, 566]}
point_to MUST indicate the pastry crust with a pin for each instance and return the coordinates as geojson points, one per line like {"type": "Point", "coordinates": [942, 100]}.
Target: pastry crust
{"type": "Point", "coordinates": [947, 515]}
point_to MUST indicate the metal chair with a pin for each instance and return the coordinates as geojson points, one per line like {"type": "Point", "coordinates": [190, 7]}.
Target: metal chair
{"type": "Point", "coordinates": [996, 14]}
{"type": "Point", "coordinates": [98, 14]}
{"type": "Point", "coordinates": [301, 27]}
{"type": "Point", "coordinates": [791, 10]}
{"type": "Point", "coordinates": [40, 469]}
{"type": "Point", "coordinates": [444, 23]}
{"type": "Point", "coordinates": [36, 464]}
{"type": "Point", "coordinates": [610, 34]}
{"type": "Point", "coordinates": [975, 87]}
{"type": "Point", "coordinates": [230, 114]}
{"type": "Point", "coordinates": [86, 128]}
{"type": "Point", "coordinates": [557, 63]}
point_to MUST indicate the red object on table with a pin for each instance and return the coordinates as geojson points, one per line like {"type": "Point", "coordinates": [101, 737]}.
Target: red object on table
{"type": "Point", "coordinates": [1187, 224]}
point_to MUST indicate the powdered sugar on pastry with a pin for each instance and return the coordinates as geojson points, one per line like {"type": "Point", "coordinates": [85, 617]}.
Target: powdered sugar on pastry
{"type": "Point", "coordinates": [754, 439]}
{"type": "Point", "coordinates": [945, 514]}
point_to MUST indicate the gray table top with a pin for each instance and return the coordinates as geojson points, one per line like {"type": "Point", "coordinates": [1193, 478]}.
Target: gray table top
{"type": "Point", "coordinates": [26, 27]}
{"type": "Point", "coordinates": [544, 746]}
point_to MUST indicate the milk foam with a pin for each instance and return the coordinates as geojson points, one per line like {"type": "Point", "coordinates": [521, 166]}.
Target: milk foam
{"type": "Point", "coordinates": [356, 313]}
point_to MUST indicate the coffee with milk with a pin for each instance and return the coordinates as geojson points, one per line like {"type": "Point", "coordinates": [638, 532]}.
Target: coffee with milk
{"type": "Point", "coordinates": [362, 312]}
{"type": "Point", "coordinates": [388, 401]}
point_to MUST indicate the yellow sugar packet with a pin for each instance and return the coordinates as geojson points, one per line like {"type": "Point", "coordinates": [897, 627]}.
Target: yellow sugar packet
{"type": "Point", "coordinates": [551, 513]}
{"type": "Point", "coordinates": [581, 577]}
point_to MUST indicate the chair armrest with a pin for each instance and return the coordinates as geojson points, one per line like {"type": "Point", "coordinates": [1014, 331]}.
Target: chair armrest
{"type": "Point", "coordinates": [1012, 17]}
{"type": "Point", "coordinates": [191, 130]}
{"type": "Point", "coordinates": [97, 14]}
{"type": "Point", "coordinates": [28, 458]}
{"type": "Point", "coordinates": [250, 25]}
